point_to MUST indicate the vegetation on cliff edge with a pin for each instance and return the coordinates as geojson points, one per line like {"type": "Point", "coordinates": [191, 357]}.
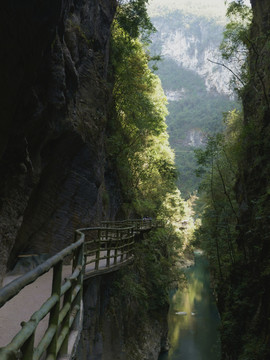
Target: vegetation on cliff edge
{"type": "Point", "coordinates": [137, 140]}
{"type": "Point", "coordinates": [138, 149]}
{"type": "Point", "coordinates": [235, 163]}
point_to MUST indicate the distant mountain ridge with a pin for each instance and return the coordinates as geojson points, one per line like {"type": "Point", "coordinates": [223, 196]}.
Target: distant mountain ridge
{"type": "Point", "coordinates": [211, 9]}
{"type": "Point", "coordinates": [193, 42]}
{"type": "Point", "coordinates": [197, 90]}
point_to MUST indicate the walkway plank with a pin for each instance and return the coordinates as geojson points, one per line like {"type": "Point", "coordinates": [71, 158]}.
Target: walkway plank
{"type": "Point", "coordinates": [112, 245]}
{"type": "Point", "coordinates": [21, 307]}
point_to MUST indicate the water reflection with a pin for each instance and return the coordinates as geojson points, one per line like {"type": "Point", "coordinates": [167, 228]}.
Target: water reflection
{"type": "Point", "coordinates": [193, 318]}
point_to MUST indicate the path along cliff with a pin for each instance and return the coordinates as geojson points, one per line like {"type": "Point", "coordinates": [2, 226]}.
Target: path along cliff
{"type": "Point", "coordinates": [54, 175]}
{"type": "Point", "coordinates": [47, 303]}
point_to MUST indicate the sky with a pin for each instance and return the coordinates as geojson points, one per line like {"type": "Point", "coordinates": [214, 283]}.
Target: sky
{"type": "Point", "coordinates": [208, 8]}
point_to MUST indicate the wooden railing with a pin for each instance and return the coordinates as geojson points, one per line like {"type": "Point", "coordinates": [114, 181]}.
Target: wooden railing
{"type": "Point", "coordinates": [63, 306]}
{"type": "Point", "coordinates": [107, 249]}
{"type": "Point", "coordinates": [137, 224]}
{"type": "Point", "coordinates": [95, 251]}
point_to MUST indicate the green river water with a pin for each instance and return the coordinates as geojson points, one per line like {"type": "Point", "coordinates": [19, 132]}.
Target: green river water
{"type": "Point", "coordinates": [193, 332]}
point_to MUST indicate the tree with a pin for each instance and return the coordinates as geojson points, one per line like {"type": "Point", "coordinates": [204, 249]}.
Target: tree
{"type": "Point", "coordinates": [133, 18]}
{"type": "Point", "coordinates": [236, 42]}
{"type": "Point", "coordinates": [218, 167]}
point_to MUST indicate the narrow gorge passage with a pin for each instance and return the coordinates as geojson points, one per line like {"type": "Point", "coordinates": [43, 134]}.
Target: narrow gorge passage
{"type": "Point", "coordinates": [93, 129]}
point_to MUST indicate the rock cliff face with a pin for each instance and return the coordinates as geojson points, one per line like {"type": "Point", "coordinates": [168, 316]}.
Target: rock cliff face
{"type": "Point", "coordinates": [191, 41]}
{"type": "Point", "coordinates": [197, 89]}
{"type": "Point", "coordinates": [253, 187]}
{"type": "Point", "coordinates": [254, 182]}
{"type": "Point", "coordinates": [117, 333]}
{"type": "Point", "coordinates": [55, 102]}
{"type": "Point", "coordinates": [249, 332]}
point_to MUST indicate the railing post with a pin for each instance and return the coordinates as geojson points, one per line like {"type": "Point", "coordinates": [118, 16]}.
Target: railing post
{"type": "Point", "coordinates": [98, 250]}
{"type": "Point", "coordinates": [28, 347]}
{"type": "Point", "coordinates": [133, 240]}
{"type": "Point", "coordinates": [116, 246]}
{"type": "Point", "coordinates": [120, 239]}
{"type": "Point", "coordinates": [108, 245]}
{"type": "Point", "coordinates": [122, 243]}
{"type": "Point", "coordinates": [78, 261]}
{"type": "Point", "coordinates": [65, 323]}
{"type": "Point", "coordinates": [54, 313]}
{"type": "Point", "coordinates": [129, 245]}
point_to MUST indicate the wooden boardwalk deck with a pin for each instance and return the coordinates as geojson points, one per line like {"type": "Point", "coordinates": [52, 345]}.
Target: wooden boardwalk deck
{"type": "Point", "coordinates": [21, 307]}
{"type": "Point", "coordinates": [36, 295]}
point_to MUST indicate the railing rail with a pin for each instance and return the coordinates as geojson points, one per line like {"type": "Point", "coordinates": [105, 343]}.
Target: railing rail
{"type": "Point", "coordinates": [137, 224]}
{"type": "Point", "coordinates": [94, 251]}
{"type": "Point", "coordinates": [55, 340]}
{"type": "Point", "coordinates": [112, 246]}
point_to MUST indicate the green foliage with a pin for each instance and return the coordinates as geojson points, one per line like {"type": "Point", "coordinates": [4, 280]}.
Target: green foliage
{"type": "Point", "coordinates": [137, 141]}
{"type": "Point", "coordinates": [198, 110]}
{"type": "Point", "coordinates": [232, 262]}
{"type": "Point", "coordinates": [218, 167]}
{"type": "Point", "coordinates": [219, 161]}
{"type": "Point", "coordinates": [235, 223]}
{"type": "Point", "coordinates": [235, 188]}
{"type": "Point", "coordinates": [153, 273]}
{"type": "Point", "coordinates": [155, 263]}
{"type": "Point", "coordinates": [137, 146]}
{"type": "Point", "coordinates": [142, 292]}
{"type": "Point", "coordinates": [236, 41]}
{"type": "Point", "coordinates": [133, 18]}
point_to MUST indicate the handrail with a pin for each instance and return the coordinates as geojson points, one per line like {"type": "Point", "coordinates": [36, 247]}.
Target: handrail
{"type": "Point", "coordinates": [139, 224]}
{"type": "Point", "coordinates": [12, 289]}
{"type": "Point", "coordinates": [98, 250]}
{"type": "Point", "coordinates": [112, 246]}
{"type": "Point", "coordinates": [55, 340]}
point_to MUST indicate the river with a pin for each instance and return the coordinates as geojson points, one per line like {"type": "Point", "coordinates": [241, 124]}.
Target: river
{"type": "Point", "coordinates": [193, 318]}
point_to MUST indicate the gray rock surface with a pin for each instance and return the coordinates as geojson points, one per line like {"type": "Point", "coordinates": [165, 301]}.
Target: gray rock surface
{"type": "Point", "coordinates": [109, 334]}
{"type": "Point", "coordinates": [55, 102]}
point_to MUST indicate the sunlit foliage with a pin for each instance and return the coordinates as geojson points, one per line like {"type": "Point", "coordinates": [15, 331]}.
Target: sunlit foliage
{"type": "Point", "coordinates": [236, 41]}
{"type": "Point", "coordinates": [138, 149]}
{"type": "Point", "coordinates": [138, 141]}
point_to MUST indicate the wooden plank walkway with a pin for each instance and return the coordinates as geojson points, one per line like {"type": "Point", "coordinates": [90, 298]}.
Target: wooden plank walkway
{"type": "Point", "coordinates": [20, 308]}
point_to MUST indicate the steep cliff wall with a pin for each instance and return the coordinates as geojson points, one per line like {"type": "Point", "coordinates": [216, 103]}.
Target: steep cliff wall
{"type": "Point", "coordinates": [55, 101]}
{"type": "Point", "coordinates": [253, 188]}
{"type": "Point", "coordinates": [246, 298]}
{"type": "Point", "coordinates": [119, 333]}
